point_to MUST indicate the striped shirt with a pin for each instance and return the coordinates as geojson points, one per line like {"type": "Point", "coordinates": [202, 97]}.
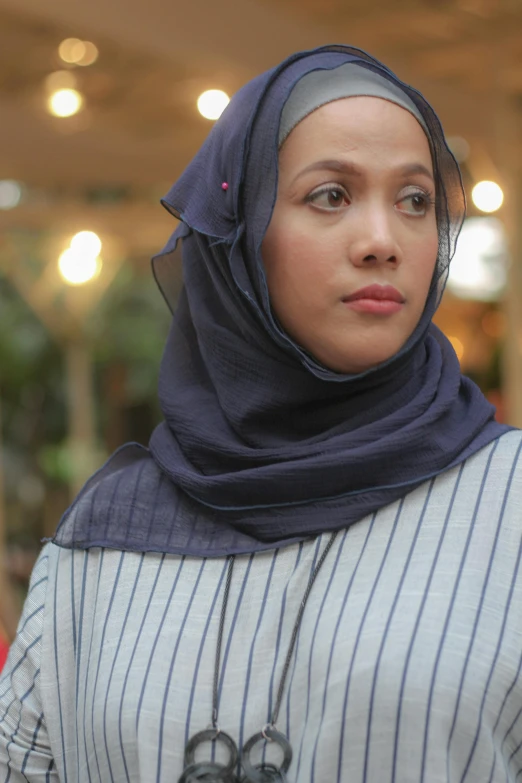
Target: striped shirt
{"type": "Point", "coordinates": [407, 667]}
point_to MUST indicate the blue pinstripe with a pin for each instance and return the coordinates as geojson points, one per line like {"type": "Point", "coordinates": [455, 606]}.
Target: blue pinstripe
{"type": "Point", "coordinates": [158, 634]}
{"type": "Point", "coordinates": [312, 647]}
{"type": "Point", "coordinates": [171, 669]}
{"type": "Point", "coordinates": [79, 656]}
{"type": "Point", "coordinates": [127, 673]}
{"type": "Point", "coordinates": [357, 642]}
{"type": "Point", "coordinates": [98, 580]}
{"type": "Point", "coordinates": [116, 652]}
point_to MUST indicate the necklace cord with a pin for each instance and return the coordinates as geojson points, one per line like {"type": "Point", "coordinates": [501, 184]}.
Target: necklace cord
{"type": "Point", "coordinates": [215, 692]}
{"type": "Point", "coordinates": [261, 772]}
{"type": "Point", "coordinates": [296, 627]}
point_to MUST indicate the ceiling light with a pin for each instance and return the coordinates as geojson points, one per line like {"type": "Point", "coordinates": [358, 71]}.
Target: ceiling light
{"type": "Point", "coordinates": [212, 103]}
{"type": "Point", "coordinates": [77, 52]}
{"type": "Point", "coordinates": [487, 196]}
{"type": "Point", "coordinates": [71, 50]}
{"type": "Point", "coordinates": [90, 54]}
{"type": "Point", "coordinates": [65, 102]}
{"type": "Point", "coordinates": [10, 194]}
{"type": "Point", "coordinates": [77, 269]}
{"type": "Point", "coordinates": [87, 242]}
{"type": "Point", "coordinates": [81, 262]}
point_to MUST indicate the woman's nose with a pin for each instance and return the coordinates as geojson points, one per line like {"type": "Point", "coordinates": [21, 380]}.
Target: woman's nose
{"type": "Point", "coordinates": [375, 242]}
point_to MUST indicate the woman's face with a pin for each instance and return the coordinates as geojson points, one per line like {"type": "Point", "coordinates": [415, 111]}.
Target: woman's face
{"type": "Point", "coordinates": [355, 210]}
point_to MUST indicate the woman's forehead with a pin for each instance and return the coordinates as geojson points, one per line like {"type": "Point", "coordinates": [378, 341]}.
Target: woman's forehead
{"type": "Point", "coordinates": [357, 126]}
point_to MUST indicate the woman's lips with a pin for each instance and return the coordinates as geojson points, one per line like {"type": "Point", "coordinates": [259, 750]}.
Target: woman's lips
{"type": "Point", "coordinates": [375, 299]}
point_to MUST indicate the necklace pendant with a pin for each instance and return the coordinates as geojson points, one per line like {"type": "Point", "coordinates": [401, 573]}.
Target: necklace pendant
{"type": "Point", "coordinates": [266, 772]}
{"type": "Point", "coordinates": [209, 771]}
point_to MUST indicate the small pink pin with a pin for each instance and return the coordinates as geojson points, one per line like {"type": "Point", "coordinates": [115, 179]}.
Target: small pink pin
{"type": "Point", "coordinates": [224, 185]}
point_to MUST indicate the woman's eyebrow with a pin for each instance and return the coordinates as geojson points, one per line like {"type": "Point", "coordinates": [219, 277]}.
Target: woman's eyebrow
{"type": "Point", "coordinates": [352, 169]}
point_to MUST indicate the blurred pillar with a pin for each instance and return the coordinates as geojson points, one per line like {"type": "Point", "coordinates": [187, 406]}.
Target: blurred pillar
{"type": "Point", "coordinates": [9, 610]}
{"type": "Point", "coordinates": [67, 324]}
{"type": "Point", "coordinates": [82, 428]}
{"type": "Point", "coordinates": [508, 133]}
{"type": "Point", "coordinates": [512, 369]}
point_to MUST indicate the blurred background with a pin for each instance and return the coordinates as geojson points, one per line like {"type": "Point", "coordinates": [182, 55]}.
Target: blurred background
{"type": "Point", "coordinates": [102, 104]}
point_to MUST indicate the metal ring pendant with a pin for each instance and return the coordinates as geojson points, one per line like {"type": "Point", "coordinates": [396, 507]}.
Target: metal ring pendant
{"type": "Point", "coordinates": [266, 773]}
{"type": "Point", "coordinates": [209, 771]}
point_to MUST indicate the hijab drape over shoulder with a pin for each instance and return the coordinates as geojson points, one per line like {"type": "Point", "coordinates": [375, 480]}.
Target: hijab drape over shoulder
{"type": "Point", "coordinates": [261, 445]}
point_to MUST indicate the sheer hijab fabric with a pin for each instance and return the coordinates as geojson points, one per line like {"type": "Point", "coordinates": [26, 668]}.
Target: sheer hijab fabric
{"type": "Point", "coordinates": [261, 445]}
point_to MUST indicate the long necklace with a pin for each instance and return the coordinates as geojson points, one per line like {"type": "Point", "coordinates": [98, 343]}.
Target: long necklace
{"type": "Point", "coordinates": [212, 772]}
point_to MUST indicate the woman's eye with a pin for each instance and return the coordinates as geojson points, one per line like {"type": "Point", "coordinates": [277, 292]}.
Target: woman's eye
{"type": "Point", "coordinates": [416, 203]}
{"type": "Point", "coordinates": [328, 198]}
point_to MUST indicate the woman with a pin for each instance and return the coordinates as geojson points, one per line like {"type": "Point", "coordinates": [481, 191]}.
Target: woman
{"type": "Point", "coordinates": [311, 574]}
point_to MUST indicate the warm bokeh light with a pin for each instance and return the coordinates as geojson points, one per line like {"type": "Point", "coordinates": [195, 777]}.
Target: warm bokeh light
{"type": "Point", "coordinates": [212, 103]}
{"type": "Point", "coordinates": [76, 52]}
{"type": "Point", "coordinates": [71, 50]}
{"type": "Point", "coordinates": [65, 103]}
{"type": "Point", "coordinates": [457, 346]}
{"type": "Point", "coordinates": [10, 194]}
{"type": "Point", "coordinates": [60, 80]}
{"type": "Point", "coordinates": [77, 268]}
{"type": "Point", "coordinates": [90, 54]}
{"type": "Point", "coordinates": [487, 196]}
{"type": "Point", "coordinates": [81, 261]}
{"type": "Point", "coordinates": [87, 242]}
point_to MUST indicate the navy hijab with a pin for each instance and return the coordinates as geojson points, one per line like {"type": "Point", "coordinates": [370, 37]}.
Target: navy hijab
{"type": "Point", "coordinates": [261, 445]}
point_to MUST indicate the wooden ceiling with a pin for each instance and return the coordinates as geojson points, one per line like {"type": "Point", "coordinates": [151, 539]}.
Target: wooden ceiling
{"type": "Point", "coordinates": [141, 126]}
